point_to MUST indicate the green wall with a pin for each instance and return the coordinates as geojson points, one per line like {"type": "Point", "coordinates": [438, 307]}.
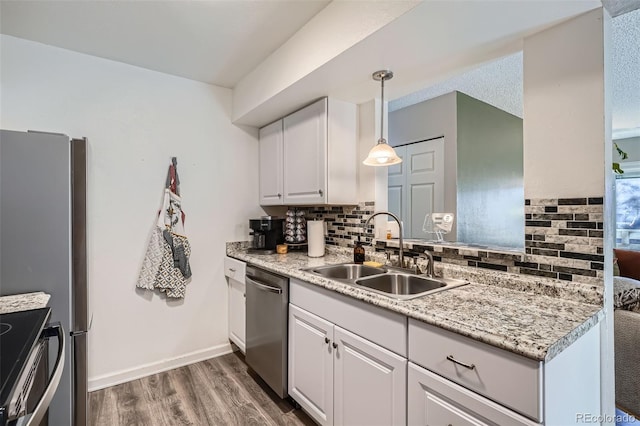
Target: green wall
{"type": "Point", "coordinates": [490, 175]}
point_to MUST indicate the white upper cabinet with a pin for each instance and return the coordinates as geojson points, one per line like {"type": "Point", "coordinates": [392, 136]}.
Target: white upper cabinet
{"type": "Point", "coordinates": [317, 156]}
{"type": "Point", "coordinates": [271, 169]}
{"type": "Point", "coordinates": [305, 155]}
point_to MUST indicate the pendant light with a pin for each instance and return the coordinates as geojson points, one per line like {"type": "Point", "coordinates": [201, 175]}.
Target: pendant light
{"type": "Point", "coordinates": [382, 154]}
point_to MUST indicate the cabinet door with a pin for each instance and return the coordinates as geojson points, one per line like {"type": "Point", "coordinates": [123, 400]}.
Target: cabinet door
{"type": "Point", "coordinates": [305, 155]}
{"type": "Point", "coordinates": [311, 364]}
{"type": "Point", "coordinates": [237, 311]}
{"type": "Point", "coordinates": [370, 382]}
{"type": "Point", "coordinates": [271, 161]}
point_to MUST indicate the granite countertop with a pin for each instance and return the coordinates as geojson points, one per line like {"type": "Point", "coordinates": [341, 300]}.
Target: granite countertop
{"type": "Point", "coordinates": [534, 325]}
{"type": "Point", "coordinates": [23, 302]}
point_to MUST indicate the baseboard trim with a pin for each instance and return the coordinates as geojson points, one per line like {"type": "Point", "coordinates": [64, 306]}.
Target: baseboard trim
{"type": "Point", "coordinates": [123, 376]}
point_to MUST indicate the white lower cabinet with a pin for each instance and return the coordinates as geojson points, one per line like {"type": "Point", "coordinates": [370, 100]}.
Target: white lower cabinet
{"type": "Point", "coordinates": [348, 366]}
{"type": "Point", "coordinates": [311, 364]}
{"type": "Point", "coordinates": [341, 378]}
{"type": "Point", "coordinates": [433, 400]}
{"type": "Point", "coordinates": [234, 270]}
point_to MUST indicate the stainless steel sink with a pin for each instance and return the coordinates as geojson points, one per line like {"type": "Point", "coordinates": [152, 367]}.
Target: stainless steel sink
{"type": "Point", "coordinates": [407, 286]}
{"type": "Point", "coordinates": [397, 285]}
{"type": "Point", "coordinates": [347, 271]}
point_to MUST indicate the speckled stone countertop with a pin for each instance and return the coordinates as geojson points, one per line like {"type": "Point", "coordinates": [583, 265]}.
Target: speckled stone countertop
{"type": "Point", "coordinates": [520, 320]}
{"type": "Point", "coordinates": [23, 302]}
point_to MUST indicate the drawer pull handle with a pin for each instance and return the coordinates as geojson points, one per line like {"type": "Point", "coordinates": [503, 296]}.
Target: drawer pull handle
{"type": "Point", "coordinates": [455, 361]}
{"type": "Point", "coordinates": [232, 270]}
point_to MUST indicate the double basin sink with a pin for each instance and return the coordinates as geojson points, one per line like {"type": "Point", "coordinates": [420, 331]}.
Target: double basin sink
{"type": "Point", "coordinates": [397, 285]}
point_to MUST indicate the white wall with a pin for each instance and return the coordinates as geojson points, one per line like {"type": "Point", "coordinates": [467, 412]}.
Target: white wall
{"type": "Point", "coordinates": [135, 120]}
{"type": "Point", "coordinates": [564, 110]}
{"type": "Point", "coordinates": [567, 138]}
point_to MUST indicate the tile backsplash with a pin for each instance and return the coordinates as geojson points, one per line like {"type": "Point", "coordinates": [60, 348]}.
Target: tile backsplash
{"type": "Point", "coordinates": [344, 223]}
{"type": "Point", "coordinates": [563, 239]}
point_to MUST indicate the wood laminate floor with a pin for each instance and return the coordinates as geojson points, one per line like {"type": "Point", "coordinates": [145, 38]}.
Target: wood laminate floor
{"type": "Point", "coordinates": [219, 391]}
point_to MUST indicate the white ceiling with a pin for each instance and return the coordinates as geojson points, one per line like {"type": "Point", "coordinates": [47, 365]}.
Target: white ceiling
{"type": "Point", "coordinates": [221, 42]}
{"type": "Point", "coordinates": [432, 41]}
{"type": "Point", "coordinates": [215, 42]}
{"type": "Point", "coordinates": [499, 83]}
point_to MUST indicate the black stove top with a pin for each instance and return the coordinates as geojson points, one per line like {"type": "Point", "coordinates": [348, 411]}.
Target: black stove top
{"type": "Point", "coordinates": [19, 332]}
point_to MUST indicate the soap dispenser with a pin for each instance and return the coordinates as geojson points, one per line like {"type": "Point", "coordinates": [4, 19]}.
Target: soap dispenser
{"type": "Point", "coordinates": [358, 252]}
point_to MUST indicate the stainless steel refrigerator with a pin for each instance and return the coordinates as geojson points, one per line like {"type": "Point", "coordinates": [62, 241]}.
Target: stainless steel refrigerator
{"type": "Point", "coordinates": [43, 245]}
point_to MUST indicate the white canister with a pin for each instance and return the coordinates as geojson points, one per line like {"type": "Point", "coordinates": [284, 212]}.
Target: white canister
{"type": "Point", "coordinates": [315, 237]}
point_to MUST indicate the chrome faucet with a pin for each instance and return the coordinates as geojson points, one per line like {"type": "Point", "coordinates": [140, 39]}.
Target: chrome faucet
{"type": "Point", "coordinates": [430, 270]}
{"type": "Point", "coordinates": [401, 256]}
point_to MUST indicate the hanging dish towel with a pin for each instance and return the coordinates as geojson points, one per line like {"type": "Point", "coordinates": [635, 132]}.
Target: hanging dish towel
{"type": "Point", "coordinates": [166, 263]}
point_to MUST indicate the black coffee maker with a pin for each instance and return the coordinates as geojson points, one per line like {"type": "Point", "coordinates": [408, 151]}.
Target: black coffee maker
{"type": "Point", "coordinates": [266, 233]}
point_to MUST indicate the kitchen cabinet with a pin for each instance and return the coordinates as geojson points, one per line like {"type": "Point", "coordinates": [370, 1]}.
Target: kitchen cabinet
{"type": "Point", "coordinates": [341, 378]}
{"type": "Point", "coordinates": [505, 377]}
{"type": "Point", "coordinates": [271, 165]}
{"type": "Point", "coordinates": [336, 375]}
{"type": "Point", "coordinates": [434, 400]}
{"type": "Point", "coordinates": [234, 270]}
{"type": "Point", "coordinates": [311, 364]}
{"type": "Point", "coordinates": [453, 379]}
{"type": "Point", "coordinates": [309, 157]}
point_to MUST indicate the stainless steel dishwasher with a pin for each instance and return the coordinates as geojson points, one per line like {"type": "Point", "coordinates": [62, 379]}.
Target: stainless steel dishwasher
{"type": "Point", "coordinates": [267, 316]}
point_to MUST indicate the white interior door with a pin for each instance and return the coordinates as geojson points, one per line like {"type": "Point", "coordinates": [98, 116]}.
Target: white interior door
{"type": "Point", "coordinates": [397, 185]}
{"type": "Point", "coordinates": [416, 186]}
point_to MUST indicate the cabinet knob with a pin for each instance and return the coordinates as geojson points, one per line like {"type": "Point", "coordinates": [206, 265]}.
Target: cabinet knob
{"type": "Point", "coordinates": [326, 340]}
{"type": "Point", "coordinates": [335, 345]}
{"type": "Point", "coordinates": [232, 270]}
{"type": "Point", "coordinates": [320, 192]}
{"type": "Point", "coordinates": [279, 195]}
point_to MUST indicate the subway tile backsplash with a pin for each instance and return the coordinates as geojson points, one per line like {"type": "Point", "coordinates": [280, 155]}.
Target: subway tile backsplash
{"type": "Point", "coordinates": [563, 239]}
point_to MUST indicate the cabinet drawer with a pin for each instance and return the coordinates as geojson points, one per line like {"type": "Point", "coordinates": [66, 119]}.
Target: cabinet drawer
{"type": "Point", "coordinates": [234, 269]}
{"type": "Point", "coordinates": [507, 378]}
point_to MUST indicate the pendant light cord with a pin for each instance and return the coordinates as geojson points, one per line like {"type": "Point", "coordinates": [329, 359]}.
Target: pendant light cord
{"type": "Point", "coordinates": [382, 140]}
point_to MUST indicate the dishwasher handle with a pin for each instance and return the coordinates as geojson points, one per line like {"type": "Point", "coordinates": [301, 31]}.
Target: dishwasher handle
{"type": "Point", "coordinates": [264, 287]}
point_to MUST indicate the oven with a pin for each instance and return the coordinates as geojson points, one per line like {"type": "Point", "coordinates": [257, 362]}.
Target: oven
{"type": "Point", "coordinates": [266, 326]}
{"type": "Point", "coordinates": [26, 386]}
